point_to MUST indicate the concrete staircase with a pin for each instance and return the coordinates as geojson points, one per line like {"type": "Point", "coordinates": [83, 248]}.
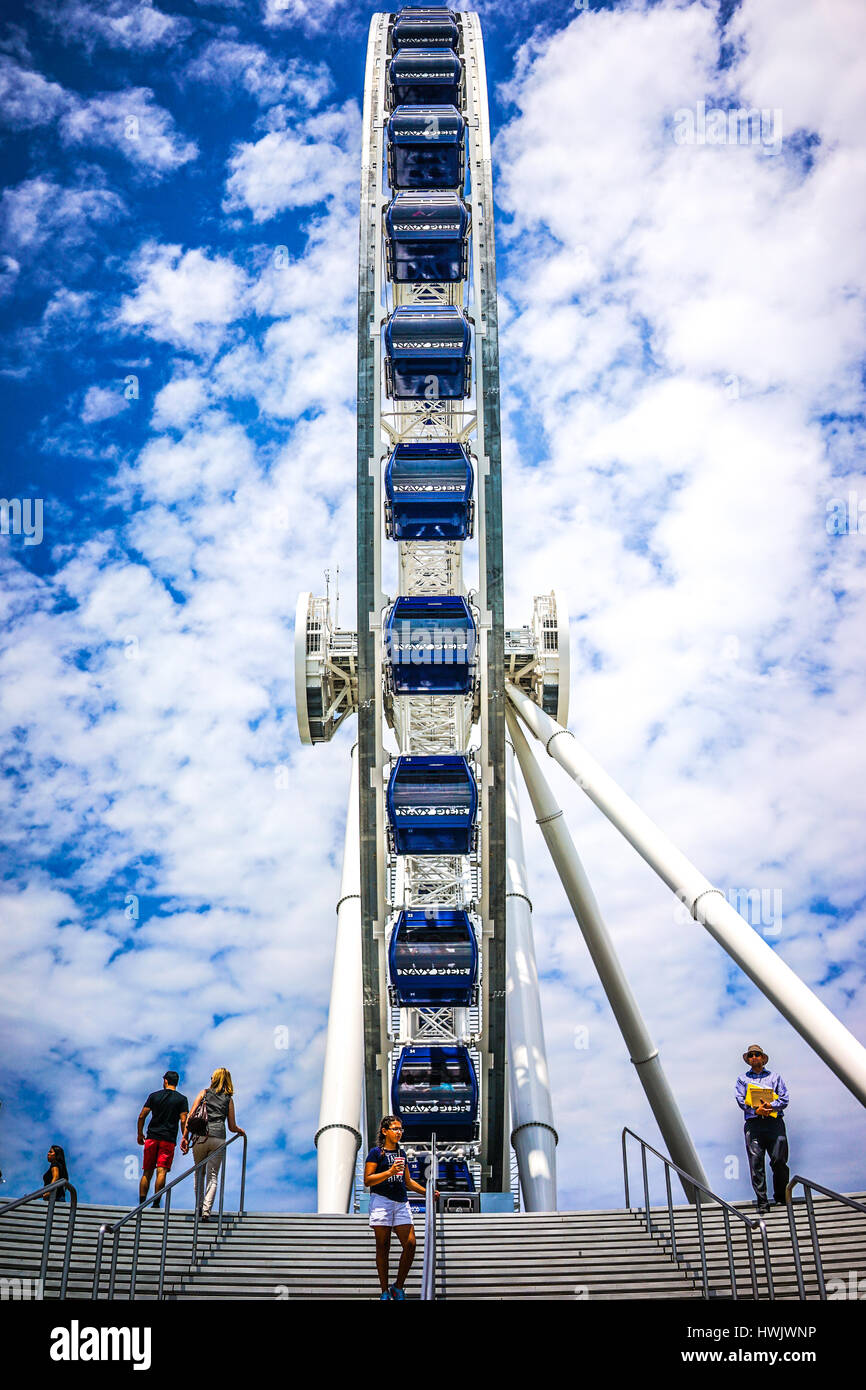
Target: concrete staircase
{"type": "Point", "coordinates": [565, 1255]}
{"type": "Point", "coordinates": [841, 1236]}
{"type": "Point", "coordinates": [22, 1232]}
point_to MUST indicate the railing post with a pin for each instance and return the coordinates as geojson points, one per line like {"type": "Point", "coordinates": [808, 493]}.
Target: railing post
{"type": "Point", "coordinates": [243, 1175]}
{"type": "Point", "coordinates": [819, 1266]}
{"type": "Point", "coordinates": [97, 1262]}
{"type": "Point", "coordinates": [196, 1207]}
{"type": "Point", "coordinates": [70, 1229]}
{"type": "Point", "coordinates": [159, 1292]}
{"type": "Point", "coordinates": [223, 1166]}
{"type": "Point", "coordinates": [46, 1239]}
{"type": "Point", "coordinates": [771, 1288]}
{"type": "Point", "coordinates": [112, 1271]}
{"type": "Point", "coordinates": [753, 1269]}
{"type": "Point", "coordinates": [704, 1277]}
{"type": "Point", "coordinates": [625, 1168]}
{"type": "Point", "coordinates": [133, 1273]}
{"type": "Point", "coordinates": [795, 1241]}
{"type": "Point", "coordinates": [671, 1222]}
{"type": "Point", "coordinates": [731, 1263]}
{"type": "Point", "coordinates": [645, 1188]}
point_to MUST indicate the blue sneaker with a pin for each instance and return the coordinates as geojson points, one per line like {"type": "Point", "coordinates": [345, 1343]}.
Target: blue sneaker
{"type": "Point", "coordinates": [398, 1295]}
{"type": "Point", "coordinates": [385, 1297]}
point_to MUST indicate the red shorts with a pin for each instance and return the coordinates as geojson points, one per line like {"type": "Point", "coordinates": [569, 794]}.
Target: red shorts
{"type": "Point", "coordinates": [158, 1153]}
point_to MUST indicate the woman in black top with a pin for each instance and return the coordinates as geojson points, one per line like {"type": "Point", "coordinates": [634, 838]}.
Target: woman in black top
{"type": "Point", "coordinates": [389, 1183]}
{"type": "Point", "coordinates": [54, 1172]}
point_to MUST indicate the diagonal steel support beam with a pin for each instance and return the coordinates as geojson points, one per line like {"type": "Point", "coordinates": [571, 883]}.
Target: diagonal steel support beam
{"type": "Point", "coordinates": [642, 1051]}
{"type": "Point", "coordinates": [832, 1041]}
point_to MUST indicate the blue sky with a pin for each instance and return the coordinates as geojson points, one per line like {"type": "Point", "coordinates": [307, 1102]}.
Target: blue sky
{"type": "Point", "coordinates": [682, 358]}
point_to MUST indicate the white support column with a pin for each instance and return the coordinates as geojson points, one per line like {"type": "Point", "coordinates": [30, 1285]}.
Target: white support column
{"type": "Point", "coordinates": [642, 1051]}
{"type": "Point", "coordinates": [339, 1133]}
{"type": "Point", "coordinates": [533, 1136]}
{"type": "Point", "coordinates": [708, 905]}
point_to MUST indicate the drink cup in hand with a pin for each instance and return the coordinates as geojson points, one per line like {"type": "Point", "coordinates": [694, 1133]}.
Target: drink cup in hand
{"type": "Point", "coordinates": [399, 1164]}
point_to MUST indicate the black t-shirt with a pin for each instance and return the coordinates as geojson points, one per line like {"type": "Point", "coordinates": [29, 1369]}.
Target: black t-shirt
{"type": "Point", "coordinates": [166, 1108]}
{"type": "Point", "coordinates": [395, 1188]}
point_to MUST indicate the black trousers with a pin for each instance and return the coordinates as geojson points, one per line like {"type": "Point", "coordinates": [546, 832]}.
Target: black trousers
{"type": "Point", "coordinates": [767, 1137]}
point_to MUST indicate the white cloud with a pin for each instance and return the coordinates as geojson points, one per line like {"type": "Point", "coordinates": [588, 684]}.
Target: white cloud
{"type": "Point", "coordinates": [27, 98]}
{"type": "Point", "coordinates": [67, 308]}
{"type": "Point", "coordinates": [306, 14]}
{"type": "Point", "coordinates": [231, 66]}
{"type": "Point", "coordinates": [102, 403]}
{"type": "Point", "coordinates": [129, 121]}
{"type": "Point", "coordinates": [39, 209]}
{"type": "Point", "coordinates": [10, 269]}
{"type": "Point", "coordinates": [179, 401]}
{"type": "Point", "coordinates": [186, 298]}
{"type": "Point", "coordinates": [132, 123]}
{"type": "Point", "coordinates": [307, 357]}
{"type": "Point", "coordinates": [793, 75]}
{"type": "Point", "coordinates": [287, 170]}
{"type": "Point", "coordinates": [136, 25]}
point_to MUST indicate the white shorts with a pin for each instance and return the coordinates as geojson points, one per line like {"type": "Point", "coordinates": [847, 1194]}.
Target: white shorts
{"type": "Point", "coordinates": [385, 1212]}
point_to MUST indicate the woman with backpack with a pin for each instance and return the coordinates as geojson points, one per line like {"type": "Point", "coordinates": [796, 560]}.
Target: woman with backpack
{"type": "Point", "coordinates": [218, 1098]}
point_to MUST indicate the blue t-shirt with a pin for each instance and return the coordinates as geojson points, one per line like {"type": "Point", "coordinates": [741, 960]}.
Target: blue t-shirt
{"type": "Point", "coordinates": [395, 1188]}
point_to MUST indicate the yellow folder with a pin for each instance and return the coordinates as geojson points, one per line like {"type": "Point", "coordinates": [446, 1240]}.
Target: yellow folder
{"type": "Point", "coordinates": [756, 1094]}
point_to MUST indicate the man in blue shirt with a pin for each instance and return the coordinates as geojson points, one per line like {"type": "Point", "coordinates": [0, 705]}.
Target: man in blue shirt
{"type": "Point", "coordinates": [765, 1135]}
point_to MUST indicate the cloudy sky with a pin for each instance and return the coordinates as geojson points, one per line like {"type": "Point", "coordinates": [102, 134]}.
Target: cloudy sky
{"type": "Point", "coordinates": [682, 359]}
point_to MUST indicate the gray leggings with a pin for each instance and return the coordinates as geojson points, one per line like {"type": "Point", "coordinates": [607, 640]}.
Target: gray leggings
{"type": "Point", "coordinates": [209, 1173]}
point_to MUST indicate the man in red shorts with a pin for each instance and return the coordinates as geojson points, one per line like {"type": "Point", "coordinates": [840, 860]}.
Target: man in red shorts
{"type": "Point", "coordinates": [167, 1109]}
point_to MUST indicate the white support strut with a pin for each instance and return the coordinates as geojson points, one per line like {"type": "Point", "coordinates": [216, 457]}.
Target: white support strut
{"type": "Point", "coordinates": [533, 1136]}
{"type": "Point", "coordinates": [832, 1041]}
{"type": "Point", "coordinates": [339, 1133]}
{"type": "Point", "coordinates": [642, 1051]}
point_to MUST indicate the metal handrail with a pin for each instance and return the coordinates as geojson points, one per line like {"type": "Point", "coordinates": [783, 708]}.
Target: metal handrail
{"type": "Point", "coordinates": [53, 1188]}
{"type": "Point", "coordinates": [428, 1273]}
{"type": "Point", "coordinates": [750, 1222]}
{"type": "Point", "coordinates": [165, 1191]}
{"type": "Point", "coordinates": [808, 1188]}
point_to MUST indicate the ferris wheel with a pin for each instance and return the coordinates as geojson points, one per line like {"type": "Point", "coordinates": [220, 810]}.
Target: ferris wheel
{"type": "Point", "coordinates": [425, 888]}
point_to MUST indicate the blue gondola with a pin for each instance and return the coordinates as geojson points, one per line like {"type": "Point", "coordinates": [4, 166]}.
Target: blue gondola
{"type": "Point", "coordinates": [435, 1090]}
{"type": "Point", "coordinates": [433, 958]}
{"type": "Point", "coordinates": [432, 803]}
{"type": "Point", "coordinates": [426, 148]}
{"type": "Point", "coordinates": [454, 1176]}
{"type": "Point", "coordinates": [428, 493]}
{"type": "Point", "coordinates": [425, 77]}
{"type": "Point", "coordinates": [427, 238]}
{"type": "Point", "coordinates": [430, 643]}
{"type": "Point", "coordinates": [421, 27]}
{"type": "Point", "coordinates": [427, 354]}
